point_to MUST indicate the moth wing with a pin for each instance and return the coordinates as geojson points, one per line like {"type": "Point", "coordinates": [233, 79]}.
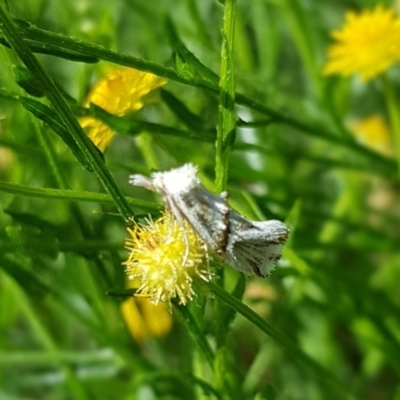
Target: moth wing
{"type": "Point", "coordinates": [255, 246]}
{"type": "Point", "coordinates": [207, 214]}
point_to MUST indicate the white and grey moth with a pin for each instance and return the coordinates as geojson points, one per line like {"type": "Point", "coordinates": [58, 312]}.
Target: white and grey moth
{"type": "Point", "coordinates": [252, 247]}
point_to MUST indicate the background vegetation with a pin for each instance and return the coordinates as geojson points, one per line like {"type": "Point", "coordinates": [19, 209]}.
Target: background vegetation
{"type": "Point", "coordinates": [328, 324]}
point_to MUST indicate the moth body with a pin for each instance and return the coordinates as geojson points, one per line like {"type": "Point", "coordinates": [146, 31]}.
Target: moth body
{"type": "Point", "coordinates": [252, 247]}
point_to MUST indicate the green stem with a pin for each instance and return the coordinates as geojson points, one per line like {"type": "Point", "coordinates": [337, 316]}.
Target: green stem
{"type": "Point", "coordinates": [81, 246]}
{"type": "Point", "coordinates": [287, 344]}
{"type": "Point", "coordinates": [196, 333]}
{"type": "Point", "coordinates": [70, 195]}
{"type": "Point", "coordinates": [61, 107]}
{"type": "Point", "coordinates": [224, 144]}
{"type": "Point", "coordinates": [49, 357]}
{"type": "Point", "coordinates": [393, 105]}
{"type": "Point", "coordinates": [226, 115]}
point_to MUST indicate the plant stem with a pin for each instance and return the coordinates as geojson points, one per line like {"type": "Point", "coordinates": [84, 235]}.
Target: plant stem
{"type": "Point", "coordinates": [226, 115]}
{"type": "Point", "coordinates": [70, 195]}
{"type": "Point", "coordinates": [61, 107]}
{"type": "Point", "coordinates": [224, 144]}
{"type": "Point", "coordinates": [198, 336]}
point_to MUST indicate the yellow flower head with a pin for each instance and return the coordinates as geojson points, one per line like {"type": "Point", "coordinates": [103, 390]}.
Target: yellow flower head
{"type": "Point", "coordinates": [374, 133]}
{"type": "Point", "coordinates": [120, 91]}
{"type": "Point", "coordinates": [165, 257]}
{"type": "Point", "coordinates": [367, 44]}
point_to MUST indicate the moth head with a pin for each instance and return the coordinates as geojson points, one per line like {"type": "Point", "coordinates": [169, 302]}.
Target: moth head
{"type": "Point", "coordinates": [140, 180]}
{"type": "Point", "coordinates": [177, 180]}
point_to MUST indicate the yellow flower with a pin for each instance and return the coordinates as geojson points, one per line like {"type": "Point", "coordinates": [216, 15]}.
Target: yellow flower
{"type": "Point", "coordinates": [165, 257]}
{"type": "Point", "coordinates": [374, 133]}
{"type": "Point", "coordinates": [144, 319]}
{"type": "Point", "coordinates": [120, 91]}
{"type": "Point", "coordinates": [368, 44]}
{"type": "Point", "coordinates": [99, 133]}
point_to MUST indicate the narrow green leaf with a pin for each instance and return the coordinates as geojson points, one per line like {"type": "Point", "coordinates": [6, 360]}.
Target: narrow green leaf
{"type": "Point", "coordinates": [52, 50]}
{"type": "Point", "coordinates": [183, 69]}
{"type": "Point", "coordinates": [26, 279]}
{"type": "Point", "coordinates": [28, 82]}
{"type": "Point", "coordinates": [22, 24]}
{"type": "Point", "coordinates": [186, 64]}
{"type": "Point", "coordinates": [237, 292]}
{"type": "Point", "coordinates": [196, 333]}
{"type": "Point", "coordinates": [51, 119]}
{"type": "Point", "coordinates": [36, 236]}
{"type": "Point", "coordinates": [134, 127]}
{"type": "Point", "coordinates": [179, 109]}
{"type": "Point", "coordinates": [32, 220]}
{"type": "Point", "coordinates": [71, 195]}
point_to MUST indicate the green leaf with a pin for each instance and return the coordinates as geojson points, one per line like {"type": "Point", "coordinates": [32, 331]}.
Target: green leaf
{"type": "Point", "coordinates": [32, 220]}
{"type": "Point", "coordinates": [53, 50]}
{"type": "Point", "coordinates": [28, 82]}
{"type": "Point", "coordinates": [26, 279]}
{"type": "Point", "coordinates": [238, 293]}
{"type": "Point", "coordinates": [184, 69]}
{"type": "Point", "coordinates": [36, 236]}
{"type": "Point", "coordinates": [134, 127]}
{"type": "Point", "coordinates": [22, 24]}
{"type": "Point", "coordinates": [197, 334]}
{"type": "Point", "coordinates": [186, 64]}
{"type": "Point", "coordinates": [51, 119]}
{"type": "Point", "coordinates": [292, 219]}
{"type": "Point", "coordinates": [187, 117]}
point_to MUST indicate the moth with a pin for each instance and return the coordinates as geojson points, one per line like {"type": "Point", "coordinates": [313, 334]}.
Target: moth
{"type": "Point", "coordinates": [252, 247]}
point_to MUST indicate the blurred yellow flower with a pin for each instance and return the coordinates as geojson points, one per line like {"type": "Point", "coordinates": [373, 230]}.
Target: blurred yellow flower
{"type": "Point", "coordinates": [374, 133]}
{"type": "Point", "coordinates": [99, 133]}
{"type": "Point", "coordinates": [367, 44]}
{"type": "Point", "coordinates": [144, 319]}
{"type": "Point", "coordinates": [120, 91]}
{"type": "Point", "coordinates": [164, 257]}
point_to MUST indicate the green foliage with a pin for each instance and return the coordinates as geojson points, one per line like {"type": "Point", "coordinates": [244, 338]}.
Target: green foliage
{"type": "Point", "coordinates": [325, 325]}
